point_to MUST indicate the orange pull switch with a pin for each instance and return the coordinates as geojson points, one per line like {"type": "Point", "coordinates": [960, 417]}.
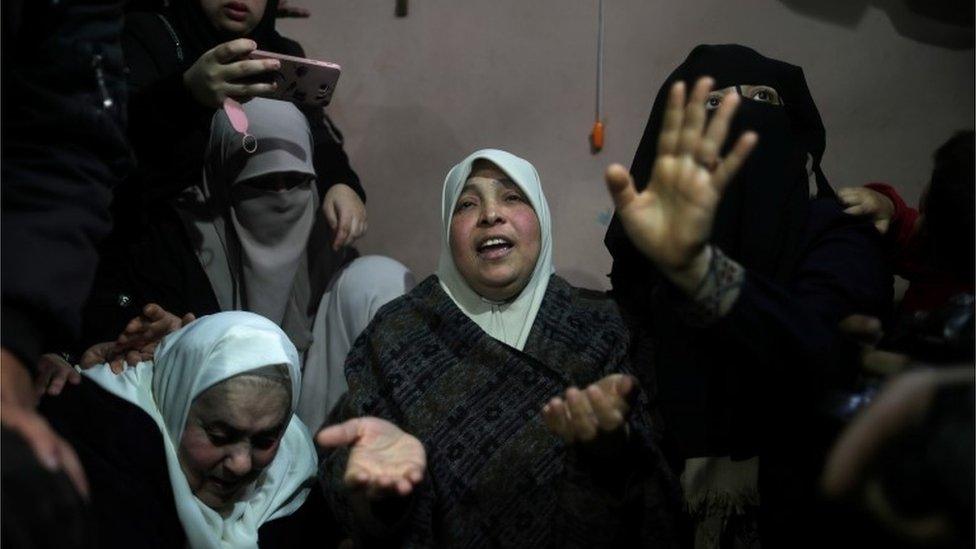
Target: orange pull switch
{"type": "Point", "coordinates": [596, 137]}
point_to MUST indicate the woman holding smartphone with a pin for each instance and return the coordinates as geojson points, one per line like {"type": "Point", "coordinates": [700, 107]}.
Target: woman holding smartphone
{"type": "Point", "coordinates": [183, 61]}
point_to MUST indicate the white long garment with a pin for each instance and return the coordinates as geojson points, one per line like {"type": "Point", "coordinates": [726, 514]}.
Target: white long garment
{"type": "Point", "coordinates": [347, 307]}
{"type": "Point", "coordinates": [211, 349]}
{"type": "Point", "coordinates": [509, 322]}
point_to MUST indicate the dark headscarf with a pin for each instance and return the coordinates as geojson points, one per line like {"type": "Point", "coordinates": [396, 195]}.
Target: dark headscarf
{"type": "Point", "coordinates": [762, 214]}
{"type": "Point", "coordinates": [197, 34]}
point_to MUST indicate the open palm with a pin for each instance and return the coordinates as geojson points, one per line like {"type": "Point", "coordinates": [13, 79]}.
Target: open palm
{"type": "Point", "coordinates": [382, 459]}
{"type": "Point", "coordinates": [670, 221]}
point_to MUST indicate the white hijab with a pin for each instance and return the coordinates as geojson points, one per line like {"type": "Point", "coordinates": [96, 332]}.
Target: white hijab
{"type": "Point", "coordinates": [509, 322]}
{"type": "Point", "coordinates": [188, 362]}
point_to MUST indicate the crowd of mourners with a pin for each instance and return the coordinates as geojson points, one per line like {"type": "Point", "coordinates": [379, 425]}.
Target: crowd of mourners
{"type": "Point", "coordinates": [196, 355]}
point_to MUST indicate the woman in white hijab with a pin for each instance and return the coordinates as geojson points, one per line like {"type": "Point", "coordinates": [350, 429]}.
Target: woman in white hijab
{"type": "Point", "coordinates": [265, 246]}
{"type": "Point", "coordinates": [470, 362]}
{"type": "Point", "coordinates": [221, 392]}
{"type": "Point", "coordinates": [230, 377]}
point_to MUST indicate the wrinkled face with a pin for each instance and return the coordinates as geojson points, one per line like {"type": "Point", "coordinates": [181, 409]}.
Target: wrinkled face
{"type": "Point", "coordinates": [237, 17]}
{"type": "Point", "coordinates": [495, 235]}
{"type": "Point", "coordinates": [232, 433]}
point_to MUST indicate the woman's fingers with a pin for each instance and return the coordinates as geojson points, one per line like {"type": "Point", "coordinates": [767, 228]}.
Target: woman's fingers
{"type": "Point", "coordinates": [234, 49]}
{"type": "Point", "coordinates": [620, 185]}
{"type": "Point", "coordinates": [717, 130]}
{"type": "Point", "coordinates": [556, 418]}
{"type": "Point", "coordinates": [667, 141]}
{"type": "Point", "coordinates": [694, 117]}
{"type": "Point", "coordinates": [246, 91]}
{"type": "Point", "coordinates": [343, 434]}
{"type": "Point", "coordinates": [731, 164]}
{"type": "Point", "coordinates": [582, 418]}
{"type": "Point", "coordinates": [608, 410]}
{"type": "Point", "coordinates": [249, 67]}
{"type": "Point", "coordinates": [344, 223]}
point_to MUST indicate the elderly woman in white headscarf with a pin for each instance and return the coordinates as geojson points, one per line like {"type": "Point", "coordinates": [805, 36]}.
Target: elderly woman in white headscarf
{"type": "Point", "coordinates": [481, 363]}
{"type": "Point", "coordinates": [264, 245]}
{"type": "Point", "coordinates": [201, 446]}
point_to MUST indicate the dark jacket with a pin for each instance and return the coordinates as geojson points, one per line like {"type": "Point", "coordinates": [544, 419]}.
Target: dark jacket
{"type": "Point", "coordinates": [64, 149]}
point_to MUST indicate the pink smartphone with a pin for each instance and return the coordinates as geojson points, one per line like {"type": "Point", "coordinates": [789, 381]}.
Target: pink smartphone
{"type": "Point", "coordinates": [300, 80]}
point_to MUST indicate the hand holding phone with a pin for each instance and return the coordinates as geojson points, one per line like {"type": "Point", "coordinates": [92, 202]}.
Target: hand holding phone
{"type": "Point", "coordinates": [300, 80]}
{"type": "Point", "coordinates": [226, 71]}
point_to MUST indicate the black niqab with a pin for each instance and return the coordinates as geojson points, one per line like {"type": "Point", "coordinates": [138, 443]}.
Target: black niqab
{"type": "Point", "coordinates": [764, 209]}
{"type": "Point", "coordinates": [707, 401]}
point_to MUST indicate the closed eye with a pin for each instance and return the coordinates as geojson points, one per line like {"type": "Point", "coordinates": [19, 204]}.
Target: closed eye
{"type": "Point", "coordinates": [464, 204]}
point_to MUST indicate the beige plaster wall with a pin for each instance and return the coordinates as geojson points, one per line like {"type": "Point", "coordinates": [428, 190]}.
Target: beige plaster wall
{"type": "Point", "coordinates": [419, 93]}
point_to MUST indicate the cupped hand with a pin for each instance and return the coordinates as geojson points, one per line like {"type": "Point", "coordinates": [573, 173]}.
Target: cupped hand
{"type": "Point", "coordinates": [216, 75]}
{"type": "Point", "coordinates": [865, 201]}
{"type": "Point", "coordinates": [346, 214]}
{"type": "Point", "coordinates": [587, 416]}
{"type": "Point", "coordinates": [670, 221]}
{"type": "Point", "coordinates": [383, 460]}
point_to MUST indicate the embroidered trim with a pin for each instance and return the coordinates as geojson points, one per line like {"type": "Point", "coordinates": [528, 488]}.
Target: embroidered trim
{"type": "Point", "coordinates": [718, 291]}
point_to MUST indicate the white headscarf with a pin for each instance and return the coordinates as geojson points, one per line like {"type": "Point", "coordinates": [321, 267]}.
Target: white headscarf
{"type": "Point", "coordinates": [188, 362]}
{"type": "Point", "coordinates": [509, 322]}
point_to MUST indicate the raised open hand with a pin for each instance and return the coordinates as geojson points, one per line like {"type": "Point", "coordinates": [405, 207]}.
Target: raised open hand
{"type": "Point", "coordinates": [583, 416]}
{"type": "Point", "coordinates": [383, 460]}
{"type": "Point", "coordinates": [670, 221]}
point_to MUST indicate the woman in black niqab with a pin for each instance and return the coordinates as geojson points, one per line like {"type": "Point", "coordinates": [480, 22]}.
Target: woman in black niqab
{"type": "Point", "coordinates": [746, 383]}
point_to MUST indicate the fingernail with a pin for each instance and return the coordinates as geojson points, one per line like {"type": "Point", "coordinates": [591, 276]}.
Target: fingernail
{"type": "Point", "coordinates": [50, 462]}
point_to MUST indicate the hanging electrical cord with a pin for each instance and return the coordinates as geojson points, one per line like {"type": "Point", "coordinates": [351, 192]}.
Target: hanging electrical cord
{"type": "Point", "coordinates": [596, 134]}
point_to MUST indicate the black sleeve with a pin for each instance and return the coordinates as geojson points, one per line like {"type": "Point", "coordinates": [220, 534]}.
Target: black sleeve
{"type": "Point", "coordinates": [789, 332]}
{"type": "Point", "coordinates": [64, 149]}
{"type": "Point", "coordinates": [168, 128]}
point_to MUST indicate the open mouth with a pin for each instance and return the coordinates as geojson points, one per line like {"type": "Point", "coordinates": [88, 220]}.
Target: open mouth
{"type": "Point", "coordinates": [226, 486]}
{"type": "Point", "coordinates": [494, 247]}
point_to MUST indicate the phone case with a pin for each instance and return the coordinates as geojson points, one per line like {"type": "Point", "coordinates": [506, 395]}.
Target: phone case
{"type": "Point", "coordinates": [300, 80]}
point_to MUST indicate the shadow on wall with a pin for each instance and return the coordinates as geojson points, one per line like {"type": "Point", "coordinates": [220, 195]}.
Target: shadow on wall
{"type": "Point", "coordinates": [406, 153]}
{"type": "Point", "coordinates": [582, 279]}
{"type": "Point", "coordinates": [944, 23]}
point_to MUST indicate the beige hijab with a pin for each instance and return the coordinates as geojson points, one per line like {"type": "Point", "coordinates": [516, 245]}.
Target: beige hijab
{"type": "Point", "coordinates": [509, 322]}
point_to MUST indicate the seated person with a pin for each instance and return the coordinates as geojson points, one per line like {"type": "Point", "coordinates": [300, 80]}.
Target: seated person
{"type": "Point", "coordinates": [933, 246]}
{"type": "Point", "coordinates": [200, 447]}
{"type": "Point", "coordinates": [741, 282]}
{"type": "Point", "coordinates": [261, 244]}
{"type": "Point", "coordinates": [467, 361]}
